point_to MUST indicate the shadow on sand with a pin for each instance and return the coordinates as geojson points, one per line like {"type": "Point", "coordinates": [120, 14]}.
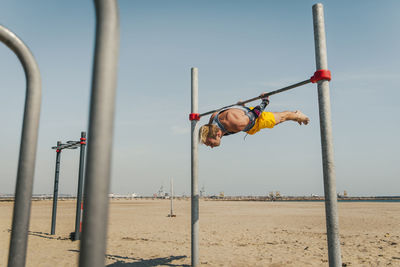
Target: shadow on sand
{"type": "Point", "coordinates": [122, 261]}
{"type": "Point", "coordinates": [45, 235]}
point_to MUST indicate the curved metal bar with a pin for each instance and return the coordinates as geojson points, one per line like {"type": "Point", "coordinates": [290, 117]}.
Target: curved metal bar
{"type": "Point", "coordinates": [101, 124]}
{"type": "Point", "coordinates": [27, 152]}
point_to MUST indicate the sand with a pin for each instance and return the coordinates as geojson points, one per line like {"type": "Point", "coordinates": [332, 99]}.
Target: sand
{"type": "Point", "coordinates": [231, 234]}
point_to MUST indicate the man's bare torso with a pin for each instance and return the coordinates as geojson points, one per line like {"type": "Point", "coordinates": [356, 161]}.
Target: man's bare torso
{"type": "Point", "coordinates": [234, 120]}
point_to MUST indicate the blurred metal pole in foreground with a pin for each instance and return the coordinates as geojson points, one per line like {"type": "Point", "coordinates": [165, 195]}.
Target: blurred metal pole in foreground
{"type": "Point", "coordinates": [27, 150]}
{"type": "Point", "coordinates": [101, 125]}
{"type": "Point", "coordinates": [195, 187]}
{"type": "Point", "coordinates": [332, 220]}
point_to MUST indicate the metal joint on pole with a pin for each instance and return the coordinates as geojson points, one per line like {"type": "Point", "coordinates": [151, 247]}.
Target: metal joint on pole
{"type": "Point", "coordinates": [101, 124]}
{"type": "Point", "coordinates": [27, 151]}
{"type": "Point", "coordinates": [332, 220]}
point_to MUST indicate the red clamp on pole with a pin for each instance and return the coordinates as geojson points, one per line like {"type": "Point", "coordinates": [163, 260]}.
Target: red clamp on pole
{"type": "Point", "coordinates": [83, 141]}
{"type": "Point", "coordinates": [58, 150]}
{"type": "Point", "coordinates": [321, 75]}
{"type": "Point", "coordinates": [194, 116]}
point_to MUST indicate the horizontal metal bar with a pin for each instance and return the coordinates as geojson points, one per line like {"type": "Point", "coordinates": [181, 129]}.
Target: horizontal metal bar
{"type": "Point", "coordinates": [75, 144]}
{"type": "Point", "coordinates": [259, 97]}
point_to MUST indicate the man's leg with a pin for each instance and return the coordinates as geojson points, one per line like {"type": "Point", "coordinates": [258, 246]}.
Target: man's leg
{"type": "Point", "coordinates": [265, 120]}
{"type": "Point", "coordinates": [290, 116]}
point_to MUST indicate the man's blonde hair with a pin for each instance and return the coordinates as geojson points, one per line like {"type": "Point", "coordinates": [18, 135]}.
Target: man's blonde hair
{"type": "Point", "coordinates": [207, 131]}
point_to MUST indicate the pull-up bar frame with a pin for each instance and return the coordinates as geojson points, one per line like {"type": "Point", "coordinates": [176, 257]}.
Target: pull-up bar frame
{"type": "Point", "coordinates": [322, 77]}
{"type": "Point", "coordinates": [78, 217]}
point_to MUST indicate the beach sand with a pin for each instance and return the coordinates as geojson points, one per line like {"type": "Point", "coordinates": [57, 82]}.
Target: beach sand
{"type": "Point", "coordinates": [231, 234]}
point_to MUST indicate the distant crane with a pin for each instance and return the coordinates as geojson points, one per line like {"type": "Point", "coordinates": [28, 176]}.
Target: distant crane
{"type": "Point", "coordinates": [202, 191]}
{"type": "Point", "coordinates": [161, 192]}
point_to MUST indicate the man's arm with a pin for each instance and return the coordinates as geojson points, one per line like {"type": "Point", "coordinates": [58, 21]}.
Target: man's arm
{"type": "Point", "coordinates": [212, 117]}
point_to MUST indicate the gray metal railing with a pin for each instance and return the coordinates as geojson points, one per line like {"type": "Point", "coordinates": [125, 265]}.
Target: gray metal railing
{"type": "Point", "coordinates": [28, 148]}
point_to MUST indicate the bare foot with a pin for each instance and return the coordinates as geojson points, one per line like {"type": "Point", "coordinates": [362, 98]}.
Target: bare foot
{"type": "Point", "coordinates": [301, 118]}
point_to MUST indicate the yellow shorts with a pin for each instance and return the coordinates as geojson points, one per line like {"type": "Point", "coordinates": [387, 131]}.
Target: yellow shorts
{"type": "Point", "coordinates": [265, 120]}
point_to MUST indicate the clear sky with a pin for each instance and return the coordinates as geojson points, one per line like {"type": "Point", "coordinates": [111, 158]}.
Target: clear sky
{"type": "Point", "coordinates": [242, 48]}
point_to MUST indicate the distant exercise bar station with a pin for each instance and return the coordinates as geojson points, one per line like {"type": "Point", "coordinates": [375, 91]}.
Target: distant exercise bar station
{"type": "Point", "coordinates": [322, 76]}
{"type": "Point", "coordinates": [81, 143]}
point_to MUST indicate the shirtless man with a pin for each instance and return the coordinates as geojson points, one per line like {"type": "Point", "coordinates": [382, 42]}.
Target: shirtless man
{"type": "Point", "coordinates": [243, 119]}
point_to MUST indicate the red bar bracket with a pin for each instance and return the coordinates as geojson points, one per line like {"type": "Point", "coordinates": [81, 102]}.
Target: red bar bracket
{"type": "Point", "coordinates": [58, 150]}
{"type": "Point", "coordinates": [321, 75]}
{"type": "Point", "coordinates": [194, 116]}
{"type": "Point", "coordinates": [83, 141]}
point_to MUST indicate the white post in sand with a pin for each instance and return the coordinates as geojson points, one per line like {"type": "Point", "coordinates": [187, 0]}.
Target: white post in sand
{"type": "Point", "coordinates": [171, 214]}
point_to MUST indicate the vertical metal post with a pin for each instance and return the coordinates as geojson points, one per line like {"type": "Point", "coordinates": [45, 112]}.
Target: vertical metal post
{"type": "Point", "coordinates": [172, 199]}
{"type": "Point", "coordinates": [332, 221]}
{"type": "Point", "coordinates": [101, 125]}
{"type": "Point", "coordinates": [27, 150]}
{"type": "Point", "coordinates": [80, 187]}
{"type": "Point", "coordinates": [195, 186]}
{"type": "Point", "coordinates": [55, 192]}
